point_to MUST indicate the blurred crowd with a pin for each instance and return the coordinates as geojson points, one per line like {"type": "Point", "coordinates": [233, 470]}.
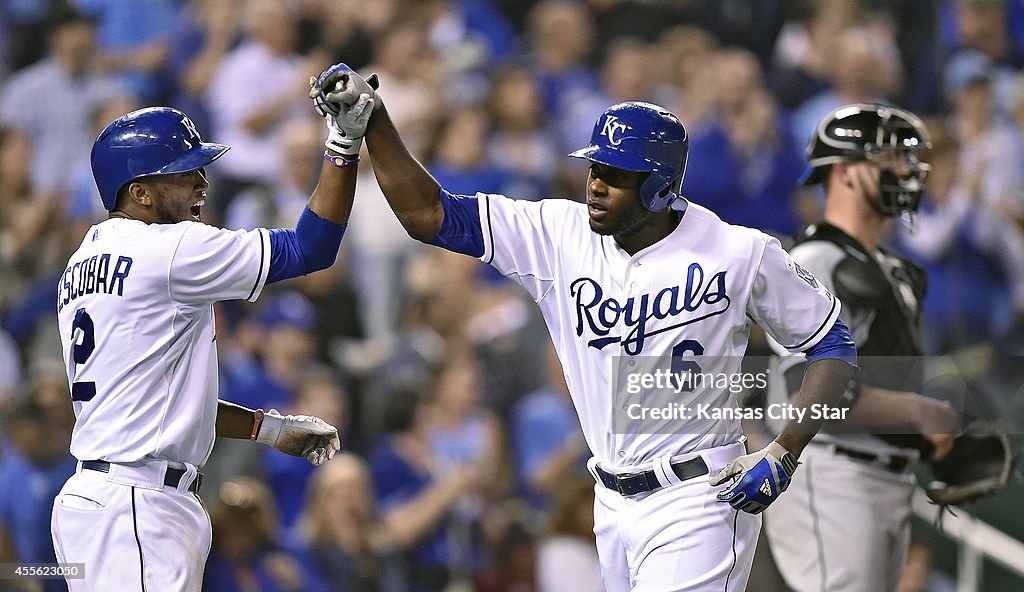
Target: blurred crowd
{"type": "Point", "coordinates": [464, 465]}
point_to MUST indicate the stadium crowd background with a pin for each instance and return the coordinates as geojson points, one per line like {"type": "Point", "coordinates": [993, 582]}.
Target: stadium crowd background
{"type": "Point", "coordinates": [464, 465]}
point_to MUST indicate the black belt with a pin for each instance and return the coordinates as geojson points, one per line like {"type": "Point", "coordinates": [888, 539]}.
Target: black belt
{"type": "Point", "coordinates": [896, 464]}
{"type": "Point", "coordinates": [171, 478]}
{"type": "Point", "coordinates": [644, 481]}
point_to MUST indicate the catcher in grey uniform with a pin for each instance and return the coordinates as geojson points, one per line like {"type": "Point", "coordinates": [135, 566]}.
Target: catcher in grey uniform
{"type": "Point", "coordinates": [846, 525]}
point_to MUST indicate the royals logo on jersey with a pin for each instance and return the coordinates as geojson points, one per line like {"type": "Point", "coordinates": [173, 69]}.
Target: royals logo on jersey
{"type": "Point", "coordinates": [691, 294]}
{"type": "Point", "coordinates": [643, 315]}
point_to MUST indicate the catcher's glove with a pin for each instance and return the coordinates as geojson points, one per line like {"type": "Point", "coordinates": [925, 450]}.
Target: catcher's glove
{"type": "Point", "coordinates": [978, 465]}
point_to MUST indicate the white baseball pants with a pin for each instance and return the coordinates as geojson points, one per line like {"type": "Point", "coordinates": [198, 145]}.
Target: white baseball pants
{"type": "Point", "coordinates": [679, 538]}
{"type": "Point", "coordinates": [131, 531]}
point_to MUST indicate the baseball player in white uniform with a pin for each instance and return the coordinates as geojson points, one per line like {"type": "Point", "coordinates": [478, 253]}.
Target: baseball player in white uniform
{"type": "Point", "coordinates": [638, 278]}
{"type": "Point", "coordinates": [135, 308]}
{"type": "Point", "coordinates": [845, 526]}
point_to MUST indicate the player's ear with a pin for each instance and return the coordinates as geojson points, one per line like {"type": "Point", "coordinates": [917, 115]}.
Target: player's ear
{"type": "Point", "coordinates": [840, 172]}
{"type": "Point", "coordinates": [139, 193]}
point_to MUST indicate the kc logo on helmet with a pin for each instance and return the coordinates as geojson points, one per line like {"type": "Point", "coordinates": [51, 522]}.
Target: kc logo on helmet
{"type": "Point", "coordinates": [613, 130]}
{"type": "Point", "coordinates": [191, 127]}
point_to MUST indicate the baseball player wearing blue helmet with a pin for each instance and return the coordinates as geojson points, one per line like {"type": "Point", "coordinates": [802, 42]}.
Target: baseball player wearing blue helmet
{"type": "Point", "coordinates": [135, 307]}
{"type": "Point", "coordinates": [635, 283]}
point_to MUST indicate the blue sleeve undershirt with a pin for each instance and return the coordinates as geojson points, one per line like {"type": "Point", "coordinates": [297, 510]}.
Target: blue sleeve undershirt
{"type": "Point", "coordinates": [313, 245]}
{"type": "Point", "coordinates": [837, 344]}
{"type": "Point", "coordinates": [461, 230]}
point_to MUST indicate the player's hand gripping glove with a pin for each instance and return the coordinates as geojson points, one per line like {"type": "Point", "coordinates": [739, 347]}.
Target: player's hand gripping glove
{"type": "Point", "coordinates": [979, 464]}
{"type": "Point", "coordinates": [340, 86]}
{"type": "Point", "coordinates": [299, 435]}
{"type": "Point", "coordinates": [346, 101]}
{"type": "Point", "coordinates": [759, 478]}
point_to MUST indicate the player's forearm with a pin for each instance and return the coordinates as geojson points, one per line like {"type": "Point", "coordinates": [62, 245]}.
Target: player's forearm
{"type": "Point", "coordinates": [197, 76]}
{"type": "Point", "coordinates": [901, 410]}
{"type": "Point", "coordinates": [824, 383]}
{"type": "Point", "coordinates": [334, 193]}
{"type": "Point", "coordinates": [410, 522]}
{"type": "Point", "coordinates": [234, 421]}
{"type": "Point", "coordinates": [552, 472]}
{"type": "Point", "coordinates": [412, 193]}
{"type": "Point", "coordinates": [260, 121]}
{"type": "Point", "coordinates": [878, 407]}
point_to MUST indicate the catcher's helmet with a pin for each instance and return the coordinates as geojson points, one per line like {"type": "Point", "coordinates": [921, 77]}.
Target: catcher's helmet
{"type": "Point", "coordinates": [642, 137]}
{"type": "Point", "coordinates": [864, 132]}
{"type": "Point", "coordinates": [150, 141]}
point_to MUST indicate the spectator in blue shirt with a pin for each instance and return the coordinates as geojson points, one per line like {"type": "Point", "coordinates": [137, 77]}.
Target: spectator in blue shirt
{"type": "Point", "coordinates": [744, 164]}
{"type": "Point", "coordinates": [135, 41]}
{"type": "Point", "coordinates": [33, 469]}
{"type": "Point", "coordinates": [340, 533]}
{"type": "Point", "coordinates": [414, 499]}
{"type": "Point", "coordinates": [287, 347]}
{"type": "Point", "coordinates": [561, 36]}
{"type": "Point", "coordinates": [320, 395]}
{"type": "Point", "coordinates": [247, 552]}
{"type": "Point", "coordinates": [72, 85]}
{"type": "Point", "coordinates": [546, 433]}
{"type": "Point", "coordinates": [207, 31]}
{"type": "Point", "coordinates": [457, 155]}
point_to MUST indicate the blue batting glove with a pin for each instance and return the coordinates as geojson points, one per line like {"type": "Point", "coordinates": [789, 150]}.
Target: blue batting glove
{"type": "Point", "coordinates": [759, 478]}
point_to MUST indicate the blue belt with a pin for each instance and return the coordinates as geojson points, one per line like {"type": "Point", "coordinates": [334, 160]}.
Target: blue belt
{"type": "Point", "coordinates": [171, 478]}
{"type": "Point", "coordinates": [644, 481]}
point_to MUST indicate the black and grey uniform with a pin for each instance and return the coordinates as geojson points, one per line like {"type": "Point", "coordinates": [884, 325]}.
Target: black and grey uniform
{"type": "Point", "coordinates": [844, 525]}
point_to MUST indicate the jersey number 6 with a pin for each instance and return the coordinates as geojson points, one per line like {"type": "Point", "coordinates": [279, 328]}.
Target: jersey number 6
{"type": "Point", "coordinates": [81, 349]}
{"type": "Point", "coordinates": [683, 367]}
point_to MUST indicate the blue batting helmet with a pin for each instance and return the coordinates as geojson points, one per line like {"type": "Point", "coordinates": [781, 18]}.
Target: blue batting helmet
{"type": "Point", "coordinates": [150, 141]}
{"type": "Point", "coordinates": [642, 137]}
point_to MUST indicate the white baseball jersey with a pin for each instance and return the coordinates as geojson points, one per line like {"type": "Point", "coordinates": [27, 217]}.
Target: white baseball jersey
{"type": "Point", "coordinates": [609, 313]}
{"type": "Point", "coordinates": [135, 308]}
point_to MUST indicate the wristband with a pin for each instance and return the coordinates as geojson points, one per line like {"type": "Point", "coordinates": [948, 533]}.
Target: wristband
{"type": "Point", "coordinates": [340, 161]}
{"type": "Point", "coordinates": [257, 422]}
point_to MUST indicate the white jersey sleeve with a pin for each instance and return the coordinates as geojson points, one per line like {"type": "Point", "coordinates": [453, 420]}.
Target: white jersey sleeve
{"type": "Point", "coordinates": [520, 239]}
{"type": "Point", "coordinates": [792, 306]}
{"type": "Point", "coordinates": [212, 264]}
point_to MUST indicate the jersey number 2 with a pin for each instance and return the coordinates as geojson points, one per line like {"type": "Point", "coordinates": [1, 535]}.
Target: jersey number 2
{"type": "Point", "coordinates": [81, 349]}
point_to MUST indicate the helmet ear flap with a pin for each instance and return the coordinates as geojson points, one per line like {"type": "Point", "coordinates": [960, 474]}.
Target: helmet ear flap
{"type": "Point", "coordinates": [658, 192]}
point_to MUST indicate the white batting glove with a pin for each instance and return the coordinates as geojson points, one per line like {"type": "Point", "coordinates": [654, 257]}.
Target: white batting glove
{"type": "Point", "coordinates": [346, 130]}
{"type": "Point", "coordinates": [300, 435]}
{"type": "Point", "coordinates": [339, 86]}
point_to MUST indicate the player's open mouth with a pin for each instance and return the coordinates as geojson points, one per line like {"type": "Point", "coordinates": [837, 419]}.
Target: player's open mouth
{"type": "Point", "coordinates": [196, 207]}
{"type": "Point", "coordinates": [595, 210]}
